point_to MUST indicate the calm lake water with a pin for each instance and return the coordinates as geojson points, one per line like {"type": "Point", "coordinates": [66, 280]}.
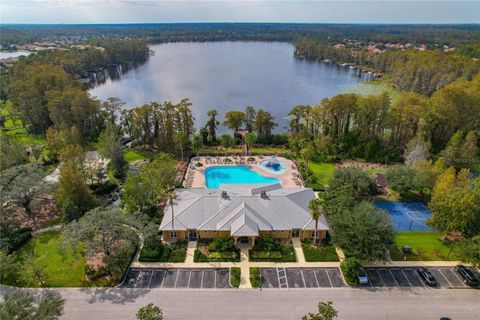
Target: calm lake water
{"type": "Point", "coordinates": [227, 76]}
{"type": "Point", "coordinates": [13, 54]}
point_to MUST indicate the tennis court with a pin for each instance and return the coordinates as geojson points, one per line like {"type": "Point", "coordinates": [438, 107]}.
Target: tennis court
{"type": "Point", "coordinates": [407, 216]}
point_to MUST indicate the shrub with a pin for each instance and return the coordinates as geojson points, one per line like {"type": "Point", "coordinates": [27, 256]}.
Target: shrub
{"type": "Point", "coordinates": [267, 243]}
{"type": "Point", "coordinates": [222, 256]}
{"type": "Point", "coordinates": [198, 256]}
{"type": "Point", "coordinates": [222, 244]}
{"type": "Point", "coordinates": [23, 235]}
{"type": "Point", "coordinates": [105, 188]}
{"type": "Point", "coordinates": [151, 255]}
{"type": "Point", "coordinates": [235, 277]}
{"type": "Point", "coordinates": [255, 278]}
{"type": "Point", "coordinates": [350, 268]}
{"type": "Point", "coordinates": [199, 164]}
{"type": "Point", "coordinates": [93, 274]}
{"type": "Point", "coordinates": [179, 251]}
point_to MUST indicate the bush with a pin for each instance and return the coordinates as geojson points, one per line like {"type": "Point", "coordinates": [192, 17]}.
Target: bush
{"type": "Point", "coordinates": [93, 274]}
{"type": "Point", "coordinates": [350, 268]}
{"type": "Point", "coordinates": [316, 253]}
{"type": "Point", "coordinates": [164, 252]}
{"type": "Point", "coordinates": [150, 255]}
{"type": "Point", "coordinates": [274, 255]}
{"type": "Point", "coordinates": [222, 244]}
{"type": "Point", "coordinates": [179, 251]}
{"type": "Point", "coordinates": [23, 235]}
{"type": "Point", "coordinates": [105, 188]}
{"type": "Point", "coordinates": [198, 256]}
{"type": "Point", "coordinates": [199, 164]}
{"type": "Point", "coordinates": [224, 256]}
{"type": "Point", "coordinates": [235, 277]}
{"type": "Point", "coordinates": [268, 249]}
{"type": "Point", "coordinates": [255, 278]}
{"type": "Point", "coordinates": [267, 243]}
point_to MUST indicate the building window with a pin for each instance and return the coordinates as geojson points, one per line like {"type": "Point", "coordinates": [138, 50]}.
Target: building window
{"type": "Point", "coordinates": [174, 234]}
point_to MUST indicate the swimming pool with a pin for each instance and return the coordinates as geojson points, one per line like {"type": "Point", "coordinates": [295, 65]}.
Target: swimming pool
{"type": "Point", "coordinates": [234, 175]}
{"type": "Point", "coordinates": [273, 165]}
{"type": "Point", "coordinates": [407, 216]}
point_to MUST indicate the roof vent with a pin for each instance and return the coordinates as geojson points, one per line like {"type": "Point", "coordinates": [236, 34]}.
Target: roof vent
{"type": "Point", "coordinates": [224, 194]}
{"type": "Point", "coordinates": [263, 194]}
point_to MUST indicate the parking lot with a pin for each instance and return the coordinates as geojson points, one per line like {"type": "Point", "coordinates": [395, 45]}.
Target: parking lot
{"type": "Point", "coordinates": [177, 278]}
{"type": "Point", "coordinates": [408, 277]}
{"type": "Point", "coordinates": [285, 278]}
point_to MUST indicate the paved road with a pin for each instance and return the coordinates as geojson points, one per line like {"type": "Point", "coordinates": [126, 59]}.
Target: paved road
{"type": "Point", "coordinates": [352, 303]}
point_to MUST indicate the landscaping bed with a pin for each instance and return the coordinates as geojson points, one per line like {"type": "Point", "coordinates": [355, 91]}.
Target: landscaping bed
{"type": "Point", "coordinates": [267, 249]}
{"type": "Point", "coordinates": [235, 273]}
{"type": "Point", "coordinates": [255, 278]}
{"type": "Point", "coordinates": [426, 246]}
{"type": "Point", "coordinates": [319, 252]}
{"type": "Point", "coordinates": [165, 252]}
{"type": "Point", "coordinates": [216, 250]}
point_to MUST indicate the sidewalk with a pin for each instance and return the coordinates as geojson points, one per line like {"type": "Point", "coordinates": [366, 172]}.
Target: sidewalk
{"type": "Point", "coordinates": [192, 245]}
{"type": "Point", "coordinates": [245, 270]}
{"type": "Point", "coordinates": [297, 245]}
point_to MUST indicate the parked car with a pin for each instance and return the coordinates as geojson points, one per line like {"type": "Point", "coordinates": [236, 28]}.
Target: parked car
{"type": "Point", "coordinates": [427, 277]}
{"type": "Point", "coordinates": [467, 275]}
{"type": "Point", "coordinates": [362, 276]}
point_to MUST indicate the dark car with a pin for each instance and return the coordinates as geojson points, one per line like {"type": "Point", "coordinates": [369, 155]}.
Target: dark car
{"type": "Point", "coordinates": [467, 275]}
{"type": "Point", "coordinates": [427, 277]}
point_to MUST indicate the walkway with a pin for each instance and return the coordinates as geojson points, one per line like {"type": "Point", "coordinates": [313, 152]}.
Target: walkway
{"type": "Point", "coordinates": [297, 245]}
{"type": "Point", "coordinates": [245, 270]}
{"type": "Point", "coordinates": [192, 245]}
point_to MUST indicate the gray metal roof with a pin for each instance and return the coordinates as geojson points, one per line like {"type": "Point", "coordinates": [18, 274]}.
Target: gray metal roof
{"type": "Point", "coordinates": [243, 210]}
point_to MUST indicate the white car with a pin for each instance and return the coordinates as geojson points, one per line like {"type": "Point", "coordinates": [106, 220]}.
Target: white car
{"type": "Point", "coordinates": [362, 276]}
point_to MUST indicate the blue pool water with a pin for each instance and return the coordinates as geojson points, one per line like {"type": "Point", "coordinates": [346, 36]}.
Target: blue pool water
{"type": "Point", "coordinates": [233, 174]}
{"type": "Point", "coordinates": [407, 216]}
{"type": "Point", "coordinates": [273, 166]}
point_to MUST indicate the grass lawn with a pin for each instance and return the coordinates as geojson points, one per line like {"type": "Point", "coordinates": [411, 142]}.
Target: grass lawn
{"type": "Point", "coordinates": [425, 246]}
{"type": "Point", "coordinates": [15, 129]}
{"type": "Point", "coordinates": [133, 155]}
{"type": "Point", "coordinates": [60, 270]}
{"type": "Point", "coordinates": [324, 173]}
{"type": "Point", "coordinates": [323, 253]}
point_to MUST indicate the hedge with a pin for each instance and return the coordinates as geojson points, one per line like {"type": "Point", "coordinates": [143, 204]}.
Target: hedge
{"type": "Point", "coordinates": [255, 278]}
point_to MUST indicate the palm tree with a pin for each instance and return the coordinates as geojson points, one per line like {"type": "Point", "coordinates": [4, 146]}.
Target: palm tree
{"type": "Point", "coordinates": [171, 197]}
{"type": "Point", "coordinates": [250, 139]}
{"type": "Point", "coordinates": [316, 209]}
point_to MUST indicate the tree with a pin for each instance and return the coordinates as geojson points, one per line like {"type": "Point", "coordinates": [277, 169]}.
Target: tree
{"type": "Point", "coordinates": [402, 179]}
{"type": "Point", "coordinates": [469, 250]}
{"type": "Point", "coordinates": [144, 190]}
{"type": "Point", "coordinates": [226, 140]}
{"type": "Point", "coordinates": [105, 232]}
{"type": "Point", "coordinates": [181, 141]}
{"type": "Point", "coordinates": [23, 185]}
{"type": "Point", "coordinates": [33, 271]}
{"type": "Point", "coordinates": [27, 305]}
{"type": "Point", "coordinates": [469, 150]}
{"type": "Point", "coordinates": [112, 148]}
{"type": "Point", "coordinates": [326, 311]}
{"type": "Point", "coordinates": [250, 139]}
{"type": "Point", "coordinates": [356, 178]}
{"type": "Point", "coordinates": [451, 154]}
{"type": "Point", "coordinates": [12, 152]}
{"type": "Point", "coordinates": [264, 123]}
{"type": "Point", "coordinates": [197, 142]}
{"type": "Point", "coordinates": [306, 153]}
{"type": "Point", "coordinates": [417, 149]}
{"type": "Point", "coordinates": [350, 268]}
{"type": "Point", "coordinates": [150, 312]}
{"type": "Point", "coordinates": [212, 124]}
{"type": "Point", "coordinates": [73, 196]}
{"type": "Point", "coordinates": [455, 203]}
{"type": "Point", "coordinates": [249, 118]}
{"type": "Point", "coordinates": [112, 107]}
{"type": "Point", "coordinates": [315, 206]}
{"type": "Point", "coordinates": [364, 232]}
{"type": "Point", "coordinates": [234, 120]}
{"type": "Point", "coordinates": [428, 172]}
{"type": "Point", "coordinates": [9, 268]}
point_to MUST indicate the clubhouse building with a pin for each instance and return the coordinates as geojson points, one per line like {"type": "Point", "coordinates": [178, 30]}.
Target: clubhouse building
{"type": "Point", "coordinates": [243, 212]}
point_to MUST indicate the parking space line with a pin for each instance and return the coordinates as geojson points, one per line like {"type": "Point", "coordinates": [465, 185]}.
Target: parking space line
{"type": "Point", "coordinates": [389, 270]}
{"type": "Point", "coordinates": [215, 280]}
{"type": "Point", "coordinates": [316, 279]}
{"type": "Point", "coordinates": [136, 280]}
{"type": "Point", "coordinates": [163, 279]}
{"type": "Point", "coordinates": [380, 276]}
{"type": "Point", "coordinates": [176, 278]}
{"type": "Point", "coordinates": [440, 270]}
{"type": "Point", "coordinates": [151, 276]}
{"type": "Point", "coordinates": [462, 281]}
{"type": "Point", "coordinates": [189, 276]}
{"type": "Point", "coordinates": [201, 282]}
{"type": "Point", "coordinates": [406, 278]}
{"type": "Point", "coordinates": [303, 278]}
{"type": "Point", "coordinates": [418, 276]}
{"type": "Point", "coordinates": [328, 276]}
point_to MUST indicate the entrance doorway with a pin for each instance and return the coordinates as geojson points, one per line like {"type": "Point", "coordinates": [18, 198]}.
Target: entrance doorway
{"type": "Point", "coordinates": [295, 233]}
{"type": "Point", "coordinates": [192, 235]}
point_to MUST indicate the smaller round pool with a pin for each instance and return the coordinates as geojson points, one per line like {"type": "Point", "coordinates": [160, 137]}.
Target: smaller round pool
{"type": "Point", "coordinates": [273, 165]}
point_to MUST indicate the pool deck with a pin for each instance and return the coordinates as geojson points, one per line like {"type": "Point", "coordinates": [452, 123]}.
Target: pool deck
{"type": "Point", "coordinates": [195, 177]}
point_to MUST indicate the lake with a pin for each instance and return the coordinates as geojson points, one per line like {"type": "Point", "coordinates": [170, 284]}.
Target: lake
{"type": "Point", "coordinates": [227, 76]}
{"type": "Point", "coordinates": [13, 54]}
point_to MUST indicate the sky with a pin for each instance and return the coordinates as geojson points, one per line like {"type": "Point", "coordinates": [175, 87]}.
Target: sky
{"type": "Point", "coordinates": [149, 11]}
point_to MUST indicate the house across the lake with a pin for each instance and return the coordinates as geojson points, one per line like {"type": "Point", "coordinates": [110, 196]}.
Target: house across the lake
{"type": "Point", "coordinates": [243, 212]}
